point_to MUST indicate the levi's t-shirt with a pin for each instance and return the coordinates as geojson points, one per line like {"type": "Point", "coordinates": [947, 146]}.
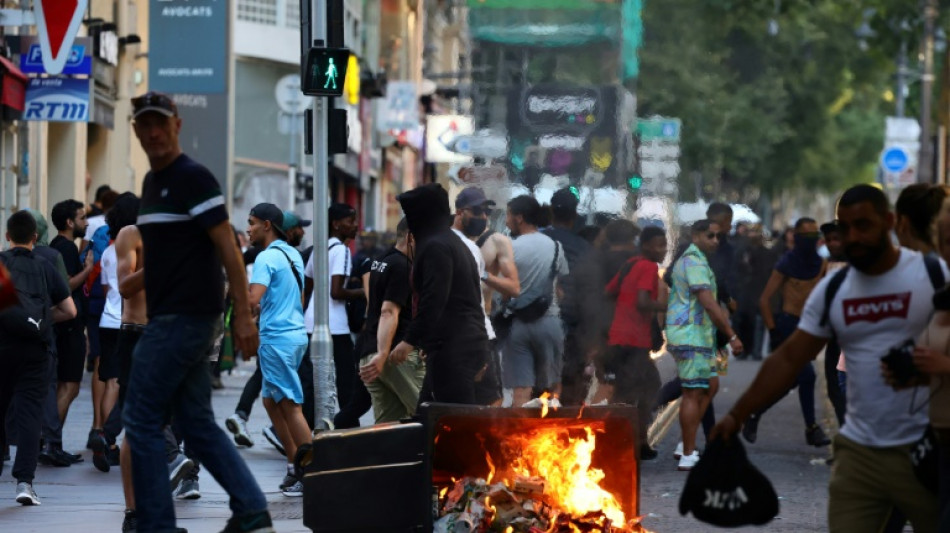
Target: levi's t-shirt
{"type": "Point", "coordinates": [870, 315]}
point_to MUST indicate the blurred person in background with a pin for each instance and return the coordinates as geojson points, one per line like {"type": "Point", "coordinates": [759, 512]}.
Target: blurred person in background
{"type": "Point", "coordinates": [754, 264]}
{"type": "Point", "coordinates": [834, 363]}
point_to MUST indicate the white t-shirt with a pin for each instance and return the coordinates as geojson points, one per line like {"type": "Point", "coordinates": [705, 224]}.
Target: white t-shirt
{"type": "Point", "coordinates": [112, 315]}
{"type": "Point", "coordinates": [480, 261]}
{"type": "Point", "coordinates": [870, 315]}
{"type": "Point", "coordinates": [95, 223]}
{"type": "Point", "coordinates": [339, 265]}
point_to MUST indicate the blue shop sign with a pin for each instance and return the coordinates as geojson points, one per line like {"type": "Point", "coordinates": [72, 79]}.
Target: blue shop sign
{"type": "Point", "coordinates": [58, 100]}
{"type": "Point", "coordinates": [79, 61]}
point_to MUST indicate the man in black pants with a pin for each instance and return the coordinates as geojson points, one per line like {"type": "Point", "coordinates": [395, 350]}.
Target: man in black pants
{"type": "Point", "coordinates": [44, 298]}
{"type": "Point", "coordinates": [449, 322]}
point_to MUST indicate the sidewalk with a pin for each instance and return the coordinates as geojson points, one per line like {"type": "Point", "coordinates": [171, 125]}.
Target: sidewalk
{"type": "Point", "coordinates": [81, 499]}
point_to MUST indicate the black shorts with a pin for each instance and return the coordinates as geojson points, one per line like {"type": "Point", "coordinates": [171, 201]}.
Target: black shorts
{"type": "Point", "coordinates": [128, 337]}
{"type": "Point", "coordinates": [108, 359]}
{"type": "Point", "coordinates": [70, 353]}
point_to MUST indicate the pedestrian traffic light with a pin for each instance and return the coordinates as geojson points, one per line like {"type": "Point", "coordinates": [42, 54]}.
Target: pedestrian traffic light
{"type": "Point", "coordinates": [325, 71]}
{"type": "Point", "coordinates": [635, 182]}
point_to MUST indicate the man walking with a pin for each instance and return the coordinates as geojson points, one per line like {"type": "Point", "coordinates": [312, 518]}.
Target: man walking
{"type": "Point", "coordinates": [448, 322]}
{"type": "Point", "coordinates": [24, 333]}
{"type": "Point", "coordinates": [394, 388]}
{"type": "Point", "coordinates": [277, 288]}
{"type": "Point", "coordinates": [692, 316]}
{"type": "Point", "coordinates": [629, 341]}
{"type": "Point", "coordinates": [187, 238]}
{"type": "Point", "coordinates": [533, 355]}
{"type": "Point", "coordinates": [883, 299]}
{"type": "Point", "coordinates": [69, 218]}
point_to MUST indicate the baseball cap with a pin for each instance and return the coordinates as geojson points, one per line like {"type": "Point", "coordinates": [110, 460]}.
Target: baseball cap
{"type": "Point", "coordinates": [272, 214]}
{"type": "Point", "coordinates": [471, 197]}
{"type": "Point", "coordinates": [291, 220]}
{"type": "Point", "coordinates": [153, 102]}
{"type": "Point", "coordinates": [726, 490]}
{"type": "Point", "coordinates": [564, 200]}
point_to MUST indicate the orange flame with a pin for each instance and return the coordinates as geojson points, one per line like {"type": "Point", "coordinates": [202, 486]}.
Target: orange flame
{"type": "Point", "coordinates": [491, 468]}
{"type": "Point", "coordinates": [564, 462]}
{"type": "Point", "coordinates": [544, 404]}
{"type": "Point", "coordinates": [442, 492]}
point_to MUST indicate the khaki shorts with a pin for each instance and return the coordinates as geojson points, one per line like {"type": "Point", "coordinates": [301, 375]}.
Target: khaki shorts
{"type": "Point", "coordinates": [866, 483]}
{"type": "Point", "coordinates": [395, 393]}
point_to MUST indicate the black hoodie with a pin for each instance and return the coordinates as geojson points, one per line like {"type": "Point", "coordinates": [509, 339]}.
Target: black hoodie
{"type": "Point", "coordinates": [447, 291]}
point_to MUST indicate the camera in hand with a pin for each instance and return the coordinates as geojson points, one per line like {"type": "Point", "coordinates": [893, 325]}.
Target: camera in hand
{"type": "Point", "coordinates": [900, 362]}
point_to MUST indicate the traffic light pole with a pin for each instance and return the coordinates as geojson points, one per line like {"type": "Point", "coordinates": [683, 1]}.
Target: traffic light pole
{"type": "Point", "coordinates": [321, 344]}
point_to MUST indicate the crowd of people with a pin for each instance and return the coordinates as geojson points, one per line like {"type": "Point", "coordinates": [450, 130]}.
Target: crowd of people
{"type": "Point", "coordinates": [161, 287]}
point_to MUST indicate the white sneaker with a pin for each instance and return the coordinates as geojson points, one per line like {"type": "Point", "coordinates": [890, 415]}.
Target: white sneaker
{"type": "Point", "coordinates": [25, 494]}
{"type": "Point", "coordinates": [679, 450]}
{"type": "Point", "coordinates": [238, 428]}
{"type": "Point", "coordinates": [687, 462]}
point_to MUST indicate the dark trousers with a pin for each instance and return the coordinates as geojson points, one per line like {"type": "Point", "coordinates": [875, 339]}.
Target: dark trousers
{"type": "Point", "coordinates": [252, 390]}
{"type": "Point", "coordinates": [574, 382]}
{"type": "Point", "coordinates": [52, 427]}
{"type": "Point", "coordinates": [358, 400]}
{"type": "Point", "coordinates": [785, 325]}
{"type": "Point", "coordinates": [637, 383]}
{"type": "Point", "coordinates": [835, 393]}
{"type": "Point", "coordinates": [344, 360]}
{"type": "Point", "coordinates": [450, 373]}
{"type": "Point", "coordinates": [26, 374]}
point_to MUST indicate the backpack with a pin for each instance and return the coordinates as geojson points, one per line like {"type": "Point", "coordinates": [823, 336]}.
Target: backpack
{"type": "Point", "coordinates": [29, 320]}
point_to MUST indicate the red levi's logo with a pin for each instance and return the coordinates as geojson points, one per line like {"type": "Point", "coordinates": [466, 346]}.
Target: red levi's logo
{"type": "Point", "coordinates": [876, 308]}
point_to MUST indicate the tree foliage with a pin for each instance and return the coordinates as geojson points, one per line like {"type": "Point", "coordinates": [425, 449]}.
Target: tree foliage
{"type": "Point", "coordinates": [773, 96]}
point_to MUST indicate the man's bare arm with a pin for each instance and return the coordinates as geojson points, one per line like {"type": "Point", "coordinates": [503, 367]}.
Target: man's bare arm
{"type": "Point", "coordinates": [64, 310]}
{"type": "Point", "coordinates": [243, 329]}
{"type": "Point", "coordinates": [506, 283]}
{"type": "Point", "coordinates": [129, 270]}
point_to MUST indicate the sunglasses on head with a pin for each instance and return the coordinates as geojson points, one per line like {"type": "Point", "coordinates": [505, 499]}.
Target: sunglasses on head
{"type": "Point", "coordinates": [479, 211]}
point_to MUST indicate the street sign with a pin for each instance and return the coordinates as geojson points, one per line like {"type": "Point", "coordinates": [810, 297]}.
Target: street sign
{"type": "Point", "coordinates": [895, 159]}
{"type": "Point", "coordinates": [401, 111]}
{"type": "Point", "coordinates": [659, 129]}
{"type": "Point", "coordinates": [289, 98]}
{"type": "Point", "coordinates": [58, 22]}
{"type": "Point", "coordinates": [325, 71]}
{"type": "Point", "coordinates": [58, 100]}
{"type": "Point", "coordinates": [79, 60]}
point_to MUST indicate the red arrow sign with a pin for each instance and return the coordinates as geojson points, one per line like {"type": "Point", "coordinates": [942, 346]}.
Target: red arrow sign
{"type": "Point", "coordinates": [58, 22]}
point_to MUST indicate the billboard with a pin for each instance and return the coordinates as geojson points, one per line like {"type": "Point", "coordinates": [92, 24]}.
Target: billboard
{"type": "Point", "coordinates": [443, 133]}
{"type": "Point", "coordinates": [203, 136]}
{"type": "Point", "coordinates": [58, 100]}
{"type": "Point", "coordinates": [188, 46]}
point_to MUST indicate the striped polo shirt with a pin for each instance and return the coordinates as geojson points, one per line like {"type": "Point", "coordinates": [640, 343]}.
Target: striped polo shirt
{"type": "Point", "coordinates": [183, 274]}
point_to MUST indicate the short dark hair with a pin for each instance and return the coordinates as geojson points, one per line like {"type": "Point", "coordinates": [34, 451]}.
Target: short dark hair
{"type": "Point", "coordinates": [919, 203]}
{"type": "Point", "coordinates": [402, 229]}
{"type": "Point", "coordinates": [22, 227]}
{"type": "Point", "coordinates": [108, 200]}
{"type": "Point", "coordinates": [716, 209]}
{"type": "Point", "coordinates": [123, 213]}
{"type": "Point", "coordinates": [700, 226]}
{"type": "Point", "coordinates": [621, 231]}
{"type": "Point", "coordinates": [802, 221]}
{"type": "Point", "coordinates": [63, 212]}
{"type": "Point", "coordinates": [865, 193]}
{"type": "Point", "coordinates": [101, 191]}
{"type": "Point", "coordinates": [650, 233]}
{"type": "Point", "coordinates": [526, 206]}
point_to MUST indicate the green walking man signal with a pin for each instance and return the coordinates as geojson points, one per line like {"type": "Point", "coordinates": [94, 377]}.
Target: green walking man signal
{"type": "Point", "coordinates": [324, 71]}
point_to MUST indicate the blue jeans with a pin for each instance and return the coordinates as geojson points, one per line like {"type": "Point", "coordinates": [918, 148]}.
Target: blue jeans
{"type": "Point", "coordinates": [170, 376]}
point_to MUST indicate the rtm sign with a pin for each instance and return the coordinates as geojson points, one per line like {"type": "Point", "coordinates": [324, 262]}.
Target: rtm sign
{"type": "Point", "coordinates": [57, 100]}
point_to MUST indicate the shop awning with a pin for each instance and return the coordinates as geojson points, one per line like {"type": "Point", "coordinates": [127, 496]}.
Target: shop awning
{"type": "Point", "coordinates": [13, 96]}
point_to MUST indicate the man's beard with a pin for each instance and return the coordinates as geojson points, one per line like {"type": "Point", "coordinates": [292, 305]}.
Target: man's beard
{"type": "Point", "coordinates": [79, 233]}
{"type": "Point", "coordinates": [871, 255]}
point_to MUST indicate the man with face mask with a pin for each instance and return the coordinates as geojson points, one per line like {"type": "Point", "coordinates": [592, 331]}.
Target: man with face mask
{"type": "Point", "coordinates": [796, 274]}
{"type": "Point", "coordinates": [884, 300]}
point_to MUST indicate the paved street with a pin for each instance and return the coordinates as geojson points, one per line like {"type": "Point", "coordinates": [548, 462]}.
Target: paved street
{"type": "Point", "coordinates": [81, 499]}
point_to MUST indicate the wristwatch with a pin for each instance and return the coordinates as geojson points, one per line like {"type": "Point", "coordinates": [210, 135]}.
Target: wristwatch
{"type": "Point", "coordinates": [485, 276]}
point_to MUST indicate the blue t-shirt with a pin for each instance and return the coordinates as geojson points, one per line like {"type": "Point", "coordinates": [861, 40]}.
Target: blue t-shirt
{"type": "Point", "coordinates": [281, 319]}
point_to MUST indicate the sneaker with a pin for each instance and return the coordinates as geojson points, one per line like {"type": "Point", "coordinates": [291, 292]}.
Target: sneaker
{"type": "Point", "coordinates": [178, 468]}
{"type": "Point", "coordinates": [93, 435]}
{"type": "Point", "coordinates": [288, 481]}
{"type": "Point", "coordinates": [130, 523]}
{"type": "Point", "coordinates": [54, 457]}
{"type": "Point", "coordinates": [112, 455]}
{"type": "Point", "coordinates": [815, 436]}
{"type": "Point", "coordinates": [25, 494]}
{"type": "Point", "coordinates": [687, 462]}
{"type": "Point", "coordinates": [750, 430]}
{"type": "Point", "coordinates": [188, 489]}
{"type": "Point", "coordinates": [259, 522]}
{"type": "Point", "coordinates": [99, 449]}
{"type": "Point", "coordinates": [678, 452]}
{"type": "Point", "coordinates": [274, 440]}
{"type": "Point", "coordinates": [647, 453]}
{"type": "Point", "coordinates": [295, 490]}
{"type": "Point", "coordinates": [238, 427]}
{"type": "Point", "coordinates": [216, 383]}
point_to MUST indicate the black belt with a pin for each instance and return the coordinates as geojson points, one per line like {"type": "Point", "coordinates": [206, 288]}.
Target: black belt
{"type": "Point", "coordinates": [137, 328]}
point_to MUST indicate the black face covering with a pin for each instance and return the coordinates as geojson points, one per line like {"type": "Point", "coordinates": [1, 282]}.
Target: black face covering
{"type": "Point", "coordinates": [474, 227]}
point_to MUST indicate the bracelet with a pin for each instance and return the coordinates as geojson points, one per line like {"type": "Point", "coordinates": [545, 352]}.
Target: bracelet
{"type": "Point", "coordinates": [734, 337]}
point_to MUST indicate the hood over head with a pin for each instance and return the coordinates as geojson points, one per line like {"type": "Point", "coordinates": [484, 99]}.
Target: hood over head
{"type": "Point", "coordinates": [426, 208]}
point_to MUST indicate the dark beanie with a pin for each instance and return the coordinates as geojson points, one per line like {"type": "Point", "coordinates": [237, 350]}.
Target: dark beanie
{"type": "Point", "coordinates": [426, 208]}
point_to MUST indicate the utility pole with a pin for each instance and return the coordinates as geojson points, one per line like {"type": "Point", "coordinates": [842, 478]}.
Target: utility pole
{"type": "Point", "coordinates": [321, 344]}
{"type": "Point", "coordinates": [925, 165]}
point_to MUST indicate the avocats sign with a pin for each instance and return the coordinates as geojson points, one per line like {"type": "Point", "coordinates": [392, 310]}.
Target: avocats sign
{"type": "Point", "coordinates": [58, 22]}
